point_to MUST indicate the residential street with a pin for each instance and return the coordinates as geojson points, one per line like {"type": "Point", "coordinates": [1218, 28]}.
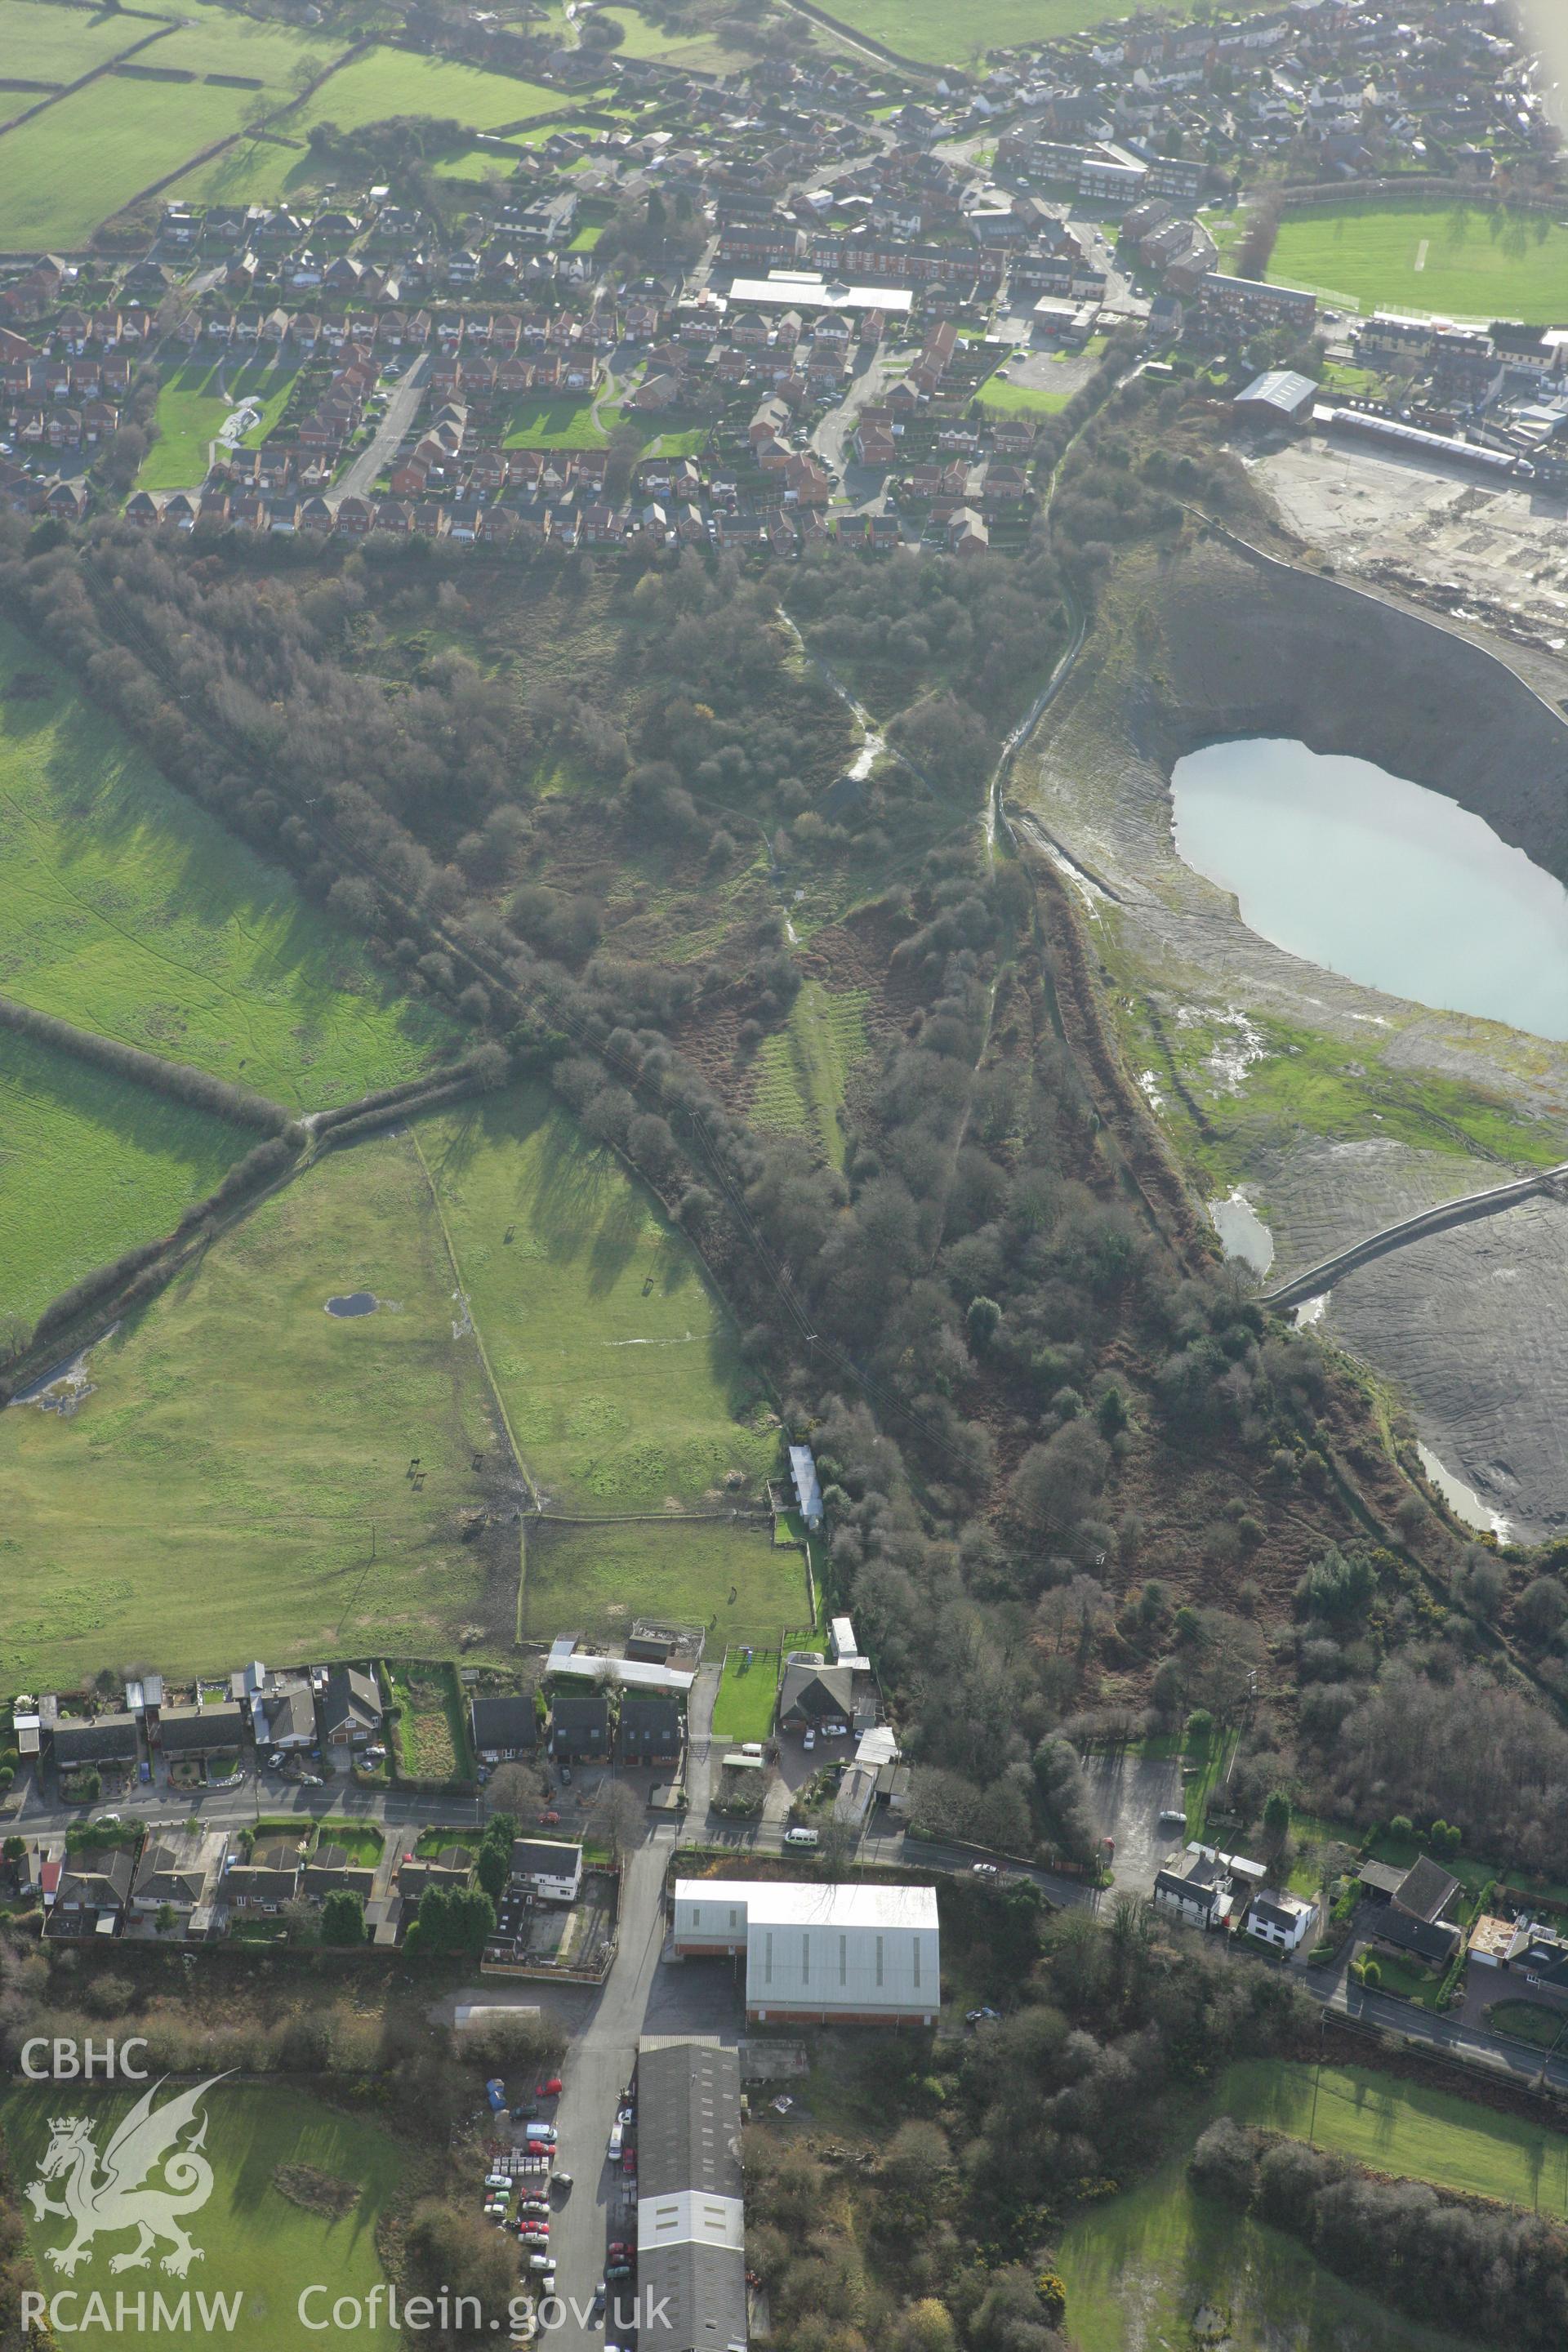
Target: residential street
{"type": "Point", "coordinates": [359, 479]}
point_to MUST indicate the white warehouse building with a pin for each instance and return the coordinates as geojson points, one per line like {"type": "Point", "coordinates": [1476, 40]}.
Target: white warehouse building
{"type": "Point", "coordinates": [819, 1955]}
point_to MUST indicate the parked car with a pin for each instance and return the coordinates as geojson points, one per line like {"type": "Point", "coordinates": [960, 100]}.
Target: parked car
{"type": "Point", "coordinates": [549, 1820]}
{"type": "Point", "coordinates": [550, 2090]}
{"type": "Point", "coordinates": [982, 2016]}
{"type": "Point", "coordinates": [618, 2270]}
{"type": "Point", "coordinates": [984, 1870]}
{"type": "Point", "coordinates": [521, 2115]}
{"type": "Point", "coordinates": [540, 2262]}
{"type": "Point", "coordinates": [617, 2135]}
{"type": "Point", "coordinates": [810, 1739]}
{"type": "Point", "coordinates": [1172, 1817]}
{"type": "Point", "coordinates": [620, 2250]}
{"type": "Point", "coordinates": [803, 1837]}
{"type": "Point", "coordinates": [566, 1775]}
{"type": "Point", "coordinates": [629, 2163]}
{"type": "Point", "coordinates": [597, 2315]}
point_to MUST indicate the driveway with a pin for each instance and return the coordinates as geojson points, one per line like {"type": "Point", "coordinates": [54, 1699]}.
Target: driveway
{"type": "Point", "coordinates": [375, 457]}
{"type": "Point", "coordinates": [1129, 1793]}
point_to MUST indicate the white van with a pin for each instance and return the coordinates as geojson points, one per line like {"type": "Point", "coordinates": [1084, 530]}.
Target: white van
{"type": "Point", "coordinates": [803, 1837]}
{"type": "Point", "coordinates": [751, 1748]}
{"type": "Point", "coordinates": [617, 2141]}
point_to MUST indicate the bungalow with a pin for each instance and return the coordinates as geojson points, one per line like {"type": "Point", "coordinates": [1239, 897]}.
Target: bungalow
{"type": "Point", "coordinates": [176, 1869]}
{"type": "Point", "coordinates": [650, 1727]}
{"type": "Point", "coordinates": [329, 1872]}
{"type": "Point", "coordinates": [196, 1734]}
{"type": "Point", "coordinates": [282, 1711]}
{"type": "Point", "coordinates": [551, 1871]}
{"type": "Point", "coordinates": [504, 1727]}
{"type": "Point", "coordinates": [1418, 1917]}
{"type": "Point", "coordinates": [350, 1707]}
{"type": "Point", "coordinates": [813, 1694]}
{"type": "Point", "coordinates": [107, 1742]}
{"type": "Point", "coordinates": [268, 1880]}
{"type": "Point", "coordinates": [450, 1868]}
{"type": "Point", "coordinates": [580, 1728]}
{"type": "Point", "coordinates": [93, 1891]}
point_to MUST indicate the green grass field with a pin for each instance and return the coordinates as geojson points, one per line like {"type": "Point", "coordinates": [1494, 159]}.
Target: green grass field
{"type": "Point", "coordinates": [1471, 261]}
{"type": "Point", "coordinates": [253, 2241]}
{"type": "Point", "coordinates": [125, 908]}
{"type": "Point", "coordinates": [251, 172]}
{"type": "Point", "coordinates": [1001, 399]}
{"type": "Point", "coordinates": [385, 82]}
{"type": "Point", "coordinates": [620, 1369]}
{"type": "Point", "coordinates": [804, 1068]}
{"type": "Point", "coordinates": [543, 420]}
{"type": "Point", "coordinates": [594, 1581]}
{"type": "Point", "coordinates": [1138, 2269]}
{"type": "Point", "coordinates": [192, 407]}
{"type": "Point", "coordinates": [1402, 2128]}
{"type": "Point", "coordinates": [44, 42]}
{"type": "Point", "coordinates": [215, 1497]}
{"type": "Point", "coordinates": [933, 34]}
{"type": "Point", "coordinates": [90, 1165]}
{"type": "Point", "coordinates": [85, 157]}
{"type": "Point", "coordinates": [744, 1709]}
{"type": "Point", "coordinates": [213, 40]}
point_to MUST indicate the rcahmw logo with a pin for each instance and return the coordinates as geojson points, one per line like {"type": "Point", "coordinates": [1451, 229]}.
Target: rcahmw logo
{"type": "Point", "coordinates": [145, 2180]}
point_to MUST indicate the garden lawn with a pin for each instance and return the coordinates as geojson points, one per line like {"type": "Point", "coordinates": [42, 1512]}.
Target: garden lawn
{"type": "Point", "coordinates": [933, 32]}
{"type": "Point", "coordinates": [193, 402]}
{"type": "Point", "coordinates": [215, 1494]}
{"type": "Point", "coordinates": [361, 1840]}
{"type": "Point", "coordinates": [253, 2241]}
{"type": "Point", "coordinates": [127, 910]}
{"type": "Point", "coordinates": [90, 1166]}
{"type": "Point", "coordinates": [619, 1368]}
{"type": "Point", "coordinates": [543, 420]}
{"type": "Point", "coordinates": [65, 171]}
{"type": "Point", "coordinates": [744, 1709]}
{"type": "Point", "coordinates": [1403, 2127]}
{"type": "Point", "coordinates": [596, 1579]}
{"type": "Point", "coordinates": [383, 82]}
{"type": "Point", "coordinates": [1472, 261]}
{"type": "Point", "coordinates": [41, 41]}
{"type": "Point", "coordinates": [1528, 2021]}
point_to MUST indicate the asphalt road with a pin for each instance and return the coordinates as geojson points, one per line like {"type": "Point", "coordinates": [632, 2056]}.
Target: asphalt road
{"type": "Point", "coordinates": [378, 453]}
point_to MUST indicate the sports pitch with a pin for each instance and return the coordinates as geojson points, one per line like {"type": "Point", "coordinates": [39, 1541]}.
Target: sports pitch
{"type": "Point", "coordinates": [1469, 261]}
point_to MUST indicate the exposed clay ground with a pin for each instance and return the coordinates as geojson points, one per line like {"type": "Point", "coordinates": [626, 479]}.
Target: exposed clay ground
{"type": "Point", "coordinates": [1338, 1109]}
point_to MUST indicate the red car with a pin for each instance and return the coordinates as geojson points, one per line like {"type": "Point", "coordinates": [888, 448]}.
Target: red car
{"type": "Point", "coordinates": [549, 1820]}
{"type": "Point", "coordinates": [550, 2090]}
{"type": "Point", "coordinates": [619, 2251]}
{"type": "Point", "coordinates": [629, 2161]}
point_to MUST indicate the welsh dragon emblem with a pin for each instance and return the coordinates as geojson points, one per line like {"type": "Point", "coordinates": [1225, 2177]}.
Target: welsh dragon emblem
{"type": "Point", "coordinates": [106, 2195]}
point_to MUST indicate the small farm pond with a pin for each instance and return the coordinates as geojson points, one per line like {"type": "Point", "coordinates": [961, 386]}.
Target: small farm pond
{"type": "Point", "coordinates": [354, 1302]}
{"type": "Point", "coordinates": [1337, 861]}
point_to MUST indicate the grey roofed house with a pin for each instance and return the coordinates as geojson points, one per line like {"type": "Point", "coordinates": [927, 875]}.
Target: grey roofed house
{"type": "Point", "coordinates": [1414, 1920]}
{"type": "Point", "coordinates": [414, 1876]}
{"type": "Point", "coordinates": [99, 1879]}
{"type": "Point", "coordinates": [504, 1726]}
{"type": "Point", "coordinates": [250, 1882]}
{"type": "Point", "coordinates": [351, 1705]}
{"type": "Point", "coordinates": [285, 1716]}
{"type": "Point", "coordinates": [580, 1727]}
{"type": "Point", "coordinates": [173, 1869]}
{"type": "Point", "coordinates": [105, 1740]}
{"type": "Point", "coordinates": [812, 1693]}
{"type": "Point", "coordinates": [1197, 1881]}
{"type": "Point", "coordinates": [200, 1730]}
{"type": "Point", "coordinates": [329, 1870]}
{"type": "Point", "coordinates": [1427, 1890]}
{"type": "Point", "coordinates": [691, 2257]}
{"type": "Point", "coordinates": [650, 1730]}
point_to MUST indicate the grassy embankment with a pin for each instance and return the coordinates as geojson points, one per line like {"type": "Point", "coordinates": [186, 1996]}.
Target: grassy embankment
{"type": "Point", "coordinates": [804, 1068]}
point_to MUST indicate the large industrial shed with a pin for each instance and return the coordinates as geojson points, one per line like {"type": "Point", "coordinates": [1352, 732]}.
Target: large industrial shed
{"type": "Point", "coordinates": [819, 1955]}
{"type": "Point", "coordinates": [691, 2258]}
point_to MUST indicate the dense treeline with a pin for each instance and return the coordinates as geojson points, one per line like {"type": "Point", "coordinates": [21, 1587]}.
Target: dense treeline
{"type": "Point", "coordinates": [1434, 2257]}
{"type": "Point", "coordinates": [986, 2145]}
{"type": "Point", "coordinates": [197, 1087]}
